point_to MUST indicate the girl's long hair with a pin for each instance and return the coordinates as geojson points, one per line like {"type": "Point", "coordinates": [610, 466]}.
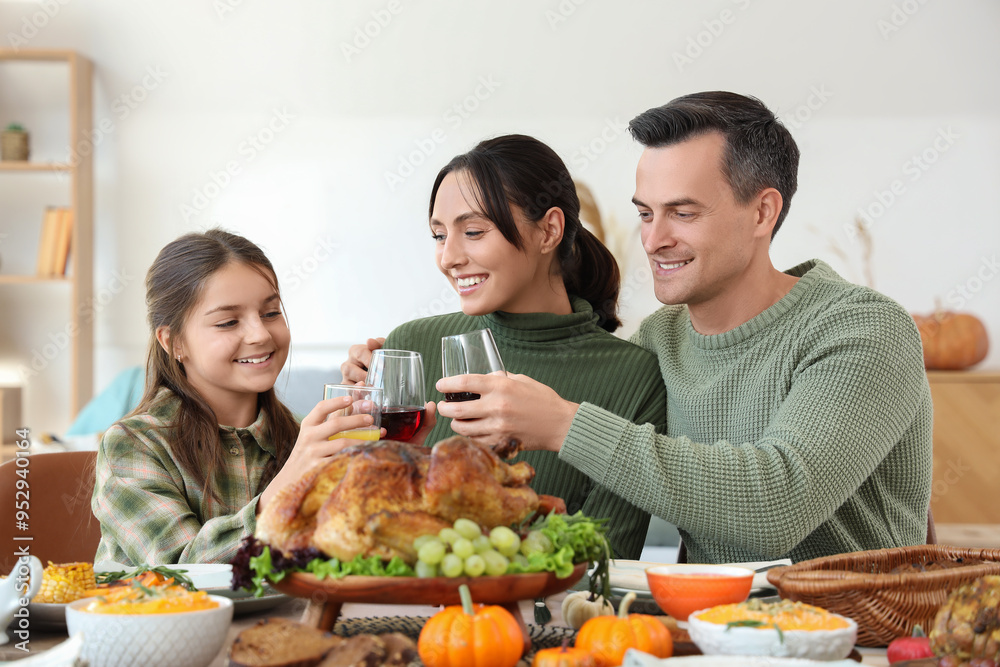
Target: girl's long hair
{"type": "Point", "coordinates": [173, 286]}
{"type": "Point", "coordinates": [521, 170]}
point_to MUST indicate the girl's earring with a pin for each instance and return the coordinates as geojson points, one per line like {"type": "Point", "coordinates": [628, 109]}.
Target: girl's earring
{"type": "Point", "coordinates": [178, 358]}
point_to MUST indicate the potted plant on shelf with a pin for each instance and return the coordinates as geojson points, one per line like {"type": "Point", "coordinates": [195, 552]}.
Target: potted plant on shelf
{"type": "Point", "coordinates": [14, 143]}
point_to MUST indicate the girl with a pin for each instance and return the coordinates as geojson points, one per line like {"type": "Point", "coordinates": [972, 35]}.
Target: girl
{"type": "Point", "coordinates": [505, 218]}
{"type": "Point", "coordinates": [182, 478]}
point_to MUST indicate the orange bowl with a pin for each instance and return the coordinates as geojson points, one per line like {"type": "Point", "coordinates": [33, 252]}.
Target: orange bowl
{"type": "Point", "coordinates": [684, 588]}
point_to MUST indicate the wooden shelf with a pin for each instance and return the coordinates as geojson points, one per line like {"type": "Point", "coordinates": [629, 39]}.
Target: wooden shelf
{"type": "Point", "coordinates": [23, 280]}
{"type": "Point", "coordinates": [15, 165]}
{"type": "Point", "coordinates": [34, 55]}
{"type": "Point", "coordinates": [79, 177]}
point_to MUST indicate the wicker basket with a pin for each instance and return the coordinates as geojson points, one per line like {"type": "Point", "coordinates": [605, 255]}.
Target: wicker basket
{"type": "Point", "coordinates": [14, 146]}
{"type": "Point", "coordinates": [885, 606]}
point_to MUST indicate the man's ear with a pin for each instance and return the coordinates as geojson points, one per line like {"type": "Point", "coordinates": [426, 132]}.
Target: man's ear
{"type": "Point", "coordinates": [552, 225]}
{"type": "Point", "coordinates": [769, 203]}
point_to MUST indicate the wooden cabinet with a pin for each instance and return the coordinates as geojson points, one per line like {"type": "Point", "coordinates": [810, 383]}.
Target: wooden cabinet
{"type": "Point", "coordinates": [42, 294]}
{"type": "Point", "coordinates": [966, 446]}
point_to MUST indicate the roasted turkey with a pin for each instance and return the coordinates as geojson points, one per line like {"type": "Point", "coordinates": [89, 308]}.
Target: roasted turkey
{"type": "Point", "coordinates": [375, 499]}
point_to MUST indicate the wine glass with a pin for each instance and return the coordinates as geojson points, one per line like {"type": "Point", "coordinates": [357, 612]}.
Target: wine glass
{"type": "Point", "coordinates": [472, 352]}
{"type": "Point", "coordinates": [364, 400]}
{"type": "Point", "coordinates": [400, 376]}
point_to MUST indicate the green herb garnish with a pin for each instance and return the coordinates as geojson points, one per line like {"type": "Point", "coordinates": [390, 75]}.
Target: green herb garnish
{"type": "Point", "coordinates": [179, 575]}
{"type": "Point", "coordinates": [756, 624]}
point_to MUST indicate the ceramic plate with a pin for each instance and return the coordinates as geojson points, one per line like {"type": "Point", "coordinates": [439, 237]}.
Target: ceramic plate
{"type": "Point", "coordinates": [209, 577]}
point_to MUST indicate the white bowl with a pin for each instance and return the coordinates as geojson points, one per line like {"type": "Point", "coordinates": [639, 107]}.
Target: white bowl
{"type": "Point", "coordinates": [716, 639]}
{"type": "Point", "coordinates": [182, 639]}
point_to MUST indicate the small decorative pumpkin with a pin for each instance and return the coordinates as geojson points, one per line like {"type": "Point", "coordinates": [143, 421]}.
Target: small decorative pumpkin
{"type": "Point", "coordinates": [471, 636]}
{"type": "Point", "coordinates": [952, 341]}
{"type": "Point", "coordinates": [608, 637]}
{"type": "Point", "coordinates": [565, 656]}
{"type": "Point", "coordinates": [578, 608]}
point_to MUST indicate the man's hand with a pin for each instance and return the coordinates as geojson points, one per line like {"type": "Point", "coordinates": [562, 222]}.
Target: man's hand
{"type": "Point", "coordinates": [511, 406]}
{"type": "Point", "coordinates": [355, 369]}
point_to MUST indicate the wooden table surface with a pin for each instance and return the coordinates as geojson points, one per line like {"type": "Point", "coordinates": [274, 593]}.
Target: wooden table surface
{"type": "Point", "coordinates": [294, 607]}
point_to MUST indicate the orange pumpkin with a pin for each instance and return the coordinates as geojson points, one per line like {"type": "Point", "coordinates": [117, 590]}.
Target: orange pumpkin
{"type": "Point", "coordinates": [952, 341]}
{"type": "Point", "coordinates": [565, 656]}
{"type": "Point", "coordinates": [608, 637]}
{"type": "Point", "coordinates": [471, 636]}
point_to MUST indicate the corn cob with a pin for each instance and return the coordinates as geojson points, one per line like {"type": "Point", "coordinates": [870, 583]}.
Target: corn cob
{"type": "Point", "coordinates": [65, 582]}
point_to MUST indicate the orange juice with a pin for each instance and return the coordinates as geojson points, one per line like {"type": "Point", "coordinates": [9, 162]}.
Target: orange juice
{"type": "Point", "coordinates": [368, 433]}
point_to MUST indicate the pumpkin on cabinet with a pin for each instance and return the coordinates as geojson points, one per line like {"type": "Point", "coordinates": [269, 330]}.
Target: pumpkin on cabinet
{"type": "Point", "coordinates": [952, 341]}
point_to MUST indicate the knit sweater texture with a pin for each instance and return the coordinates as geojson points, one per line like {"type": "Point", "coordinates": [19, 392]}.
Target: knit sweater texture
{"type": "Point", "coordinates": [582, 362]}
{"type": "Point", "coordinates": [804, 432]}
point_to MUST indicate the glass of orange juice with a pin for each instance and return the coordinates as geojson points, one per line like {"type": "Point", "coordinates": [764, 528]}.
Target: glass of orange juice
{"type": "Point", "coordinates": [364, 400]}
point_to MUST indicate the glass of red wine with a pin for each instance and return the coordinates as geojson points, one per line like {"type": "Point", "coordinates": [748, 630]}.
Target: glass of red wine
{"type": "Point", "coordinates": [400, 375]}
{"type": "Point", "coordinates": [472, 352]}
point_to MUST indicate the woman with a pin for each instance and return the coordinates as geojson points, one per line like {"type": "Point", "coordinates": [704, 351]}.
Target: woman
{"type": "Point", "coordinates": [505, 218]}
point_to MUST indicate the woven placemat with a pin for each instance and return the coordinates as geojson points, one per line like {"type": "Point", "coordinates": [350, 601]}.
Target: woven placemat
{"type": "Point", "coordinates": [542, 636]}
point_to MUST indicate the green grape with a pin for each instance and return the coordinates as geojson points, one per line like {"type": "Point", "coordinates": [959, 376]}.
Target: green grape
{"type": "Point", "coordinates": [425, 570]}
{"type": "Point", "coordinates": [475, 565]}
{"type": "Point", "coordinates": [520, 559]}
{"type": "Point", "coordinates": [463, 548]}
{"type": "Point", "coordinates": [481, 544]}
{"type": "Point", "coordinates": [496, 563]}
{"type": "Point", "coordinates": [448, 535]}
{"type": "Point", "coordinates": [505, 540]}
{"type": "Point", "coordinates": [468, 529]}
{"type": "Point", "coordinates": [422, 540]}
{"type": "Point", "coordinates": [431, 552]}
{"type": "Point", "coordinates": [536, 542]}
{"type": "Point", "coordinates": [452, 566]}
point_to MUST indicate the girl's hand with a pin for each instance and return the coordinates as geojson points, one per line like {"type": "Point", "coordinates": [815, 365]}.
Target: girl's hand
{"type": "Point", "coordinates": [313, 445]}
{"type": "Point", "coordinates": [355, 369]}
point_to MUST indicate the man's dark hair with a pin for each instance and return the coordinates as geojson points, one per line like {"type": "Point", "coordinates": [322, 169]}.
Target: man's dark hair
{"type": "Point", "coordinates": [760, 152]}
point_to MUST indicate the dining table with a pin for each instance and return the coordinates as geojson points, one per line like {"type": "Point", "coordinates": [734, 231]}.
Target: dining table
{"type": "Point", "coordinates": [361, 615]}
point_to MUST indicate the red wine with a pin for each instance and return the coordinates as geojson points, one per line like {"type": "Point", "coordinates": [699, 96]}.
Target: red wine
{"type": "Point", "coordinates": [400, 423]}
{"type": "Point", "coordinates": [458, 397]}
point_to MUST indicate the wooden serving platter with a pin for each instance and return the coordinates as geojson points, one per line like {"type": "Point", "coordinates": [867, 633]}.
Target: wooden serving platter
{"type": "Point", "coordinates": [327, 596]}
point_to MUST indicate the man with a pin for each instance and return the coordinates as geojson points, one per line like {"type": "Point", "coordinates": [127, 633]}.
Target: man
{"type": "Point", "coordinates": [798, 410]}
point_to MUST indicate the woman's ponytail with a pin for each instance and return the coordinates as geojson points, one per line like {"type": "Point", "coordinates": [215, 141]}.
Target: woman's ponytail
{"type": "Point", "coordinates": [591, 272]}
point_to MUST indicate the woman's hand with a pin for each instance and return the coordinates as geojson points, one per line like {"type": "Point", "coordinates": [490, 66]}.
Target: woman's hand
{"type": "Point", "coordinates": [355, 369]}
{"type": "Point", "coordinates": [511, 406]}
{"type": "Point", "coordinates": [313, 445]}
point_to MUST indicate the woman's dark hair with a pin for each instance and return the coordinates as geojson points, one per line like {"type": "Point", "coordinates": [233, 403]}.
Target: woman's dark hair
{"type": "Point", "coordinates": [174, 284]}
{"type": "Point", "coordinates": [522, 171]}
{"type": "Point", "coordinates": [760, 151]}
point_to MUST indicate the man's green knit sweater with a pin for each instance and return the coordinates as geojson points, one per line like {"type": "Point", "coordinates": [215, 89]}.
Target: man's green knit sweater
{"type": "Point", "coordinates": [582, 362]}
{"type": "Point", "coordinates": [803, 432]}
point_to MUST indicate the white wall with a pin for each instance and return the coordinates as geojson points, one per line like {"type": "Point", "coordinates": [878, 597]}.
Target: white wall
{"type": "Point", "coordinates": [183, 86]}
